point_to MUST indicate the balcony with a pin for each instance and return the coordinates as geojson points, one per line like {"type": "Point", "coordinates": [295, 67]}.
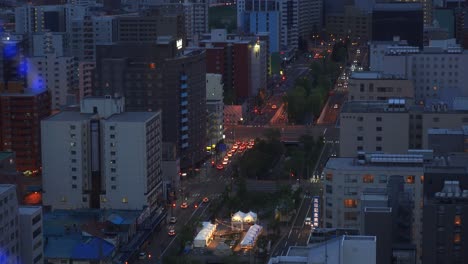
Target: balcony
{"type": "Point", "coordinates": [184, 112]}
{"type": "Point", "coordinates": [184, 120]}
{"type": "Point", "coordinates": [183, 86]}
{"type": "Point", "coordinates": [184, 128]}
{"type": "Point", "coordinates": [184, 95]}
{"type": "Point", "coordinates": [184, 145]}
{"type": "Point", "coordinates": [184, 103]}
{"type": "Point", "coordinates": [184, 137]}
{"type": "Point", "coordinates": [183, 77]}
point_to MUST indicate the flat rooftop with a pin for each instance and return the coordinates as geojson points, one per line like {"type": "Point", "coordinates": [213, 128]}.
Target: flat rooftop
{"type": "Point", "coordinates": [68, 116]}
{"type": "Point", "coordinates": [6, 187]}
{"type": "Point", "coordinates": [368, 107]}
{"type": "Point", "coordinates": [29, 210]}
{"type": "Point", "coordinates": [133, 116]}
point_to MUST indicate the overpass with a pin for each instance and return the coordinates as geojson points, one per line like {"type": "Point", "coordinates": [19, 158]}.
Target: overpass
{"type": "Point", "coordinates": [289, 133]}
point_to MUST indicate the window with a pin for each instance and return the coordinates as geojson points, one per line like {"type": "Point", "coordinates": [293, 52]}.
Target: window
{"type": "Point", "coordinates": [37, 232]}
{"type": "Point", "coordinates": [360, 118]}
{"type": "Point", "coordinates": [113, 187]}
{"type": "Point", "coordinates": [113, 169]}
{"type": "Point", "coordinates": [112, 153]}
{"type": "Point", "coordinates": [350, 178]}
{"type": "Point", "coordinates": [112, 136]}
{"type": "Point", "coordinates": [361, 88]}
{"type": "Point", "coordinates": [124, 200]}
{"type": "Point", "coordinates": [378, 148]}
{"type": "Point", "coordinates": [378, 128]}
{"type": "Point", "coordinates": [457, 220]}
{"type": "Point", "coordinates": [360, 148]}
{"type": "Point", "coordinates": [350, 191]}
{"type": "Point", "coordinates": [422, 179]}
{"type": "Point", "coordinates": [74, 186]}
{"type": "Point", "coordinates": [383, 179]}
{"type": "Point", "coordinates": [72, 127]}
{"type": "Point", "coordinates": [378, 138]}
{"type": "Point", "coordinates": [360, 128]}
{"type": "Point", "coordinates": [328, 189]}
{"type": "Point", "coordinates": [350, 203]}
{"type": "Point", "coordinates": [329, 177]}
{"type": "Point", "coordinates": [73, 177]}
{"type": "Point", "coordinates": [36, 219]}
{"type": "Point", "coordinates": [368, 178]}
{"type": "Point", "coordinates": [359, 138]}
{"type": "Point", "coordinates": [456, 238]}
{"type": "Point", "coordinates": [73, 169]}
{"type": "Point", "coordinates": [409, 179]}
{"type": "Point", "coordinates": [378, 119]}
{"type": "Point", "coordinates": [350, 216]}
{"type": "Point", "coordinates": [112, 127]}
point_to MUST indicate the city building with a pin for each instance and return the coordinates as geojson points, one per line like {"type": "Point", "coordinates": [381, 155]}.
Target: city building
{"type": "Point", "coordinates": [13, 68]}
{"type": "Point", "coordinates": [215, 108]}
{"type": "Point", "coordinates": [20, 114]}
{"type": "Point", "coordinates": [445, 211]}
{"type": "Point", "coordinates": [95, 153]}
{"type": "Point", "coordinates": [405, 20]}
{"type": "Point", "coordinates": [31, 232]}
{"type": "Point", "coordinates": [353, 249]}
{"type": "Point", "coordinates": [348, 179]}
{"type": "Point", "coordinates": [278, 17]}
{"type": "Point", "coordinates": [310, 17]}
{"type": "Point", "coordinates": [373, 125]}
{"type": "Point", "coordinates": [10, 248]}
{"type": "Point", "coordinates": [352, 22]}
{"type": "Point", "coordinates": [262, 19]}
{"type": "Point", "coordinates": [55, 74]}
{"type": "Point", "coordinates": [444, 141]}
{"type": "Point", "coordinates": [368, 86]}
{"type": "Point", "coordinates": [248, 55]}
{"type": "Point", "coordinates": [160, 75]}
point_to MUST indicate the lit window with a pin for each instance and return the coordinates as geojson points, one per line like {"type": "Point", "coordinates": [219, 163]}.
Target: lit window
{"type": "Point", "coordinates": [456, 238]}
{"type": "Point", "coordinates": [329, 177]}
{"type": "Point", "coordinates": [368, 178]}
{"type": "Point", "coordinates": [350, 203]}
{"type": "Point", "coordinates": [409, 179]}
{"type": "Point", "coordinates": [124, 200]}
{"type": "Point", "coordinates": [422, 179]}
{"type": "Point", "coordinates": [457, 220]}
{"type": "Point", "coordinates": [72, 144]}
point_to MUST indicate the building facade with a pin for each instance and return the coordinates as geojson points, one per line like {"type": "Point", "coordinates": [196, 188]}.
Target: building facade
{"type": "Point", "coordinates": [215, 108]}
{"type": "Point", "coordinates": [22, 111]}
{"type": "Point", "coordinates": [164, 76]}
{"type": "Point", "coordinates": [10, 248]}
{"type": "Point", "coordinates": [369, 86]}
{"type": "Point", "coordinates": [352, 22]}
{"type": "Point", "coordinates": [31, 230]}
{"type": "Point", "coordinates": [94, 155]}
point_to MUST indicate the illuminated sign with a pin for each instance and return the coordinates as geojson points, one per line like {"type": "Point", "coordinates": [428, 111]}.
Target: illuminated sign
{"type": "Point", "coordinates": [316, 206]}
{"type": "Point", "coordinates": [179, 44]}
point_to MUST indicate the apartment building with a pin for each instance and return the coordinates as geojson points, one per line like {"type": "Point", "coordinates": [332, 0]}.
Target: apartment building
{"type": "Point", "coordinates": [369, 86]}
{"type": "Point", "coordinates": [91, 156]}
{"type": "Point", "coordinates": [32, 243]}
{"type": "Point", "coordinates": [347, 179]}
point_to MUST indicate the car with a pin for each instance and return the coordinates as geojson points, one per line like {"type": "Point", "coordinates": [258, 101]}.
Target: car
{"type": "Point", "coordinates": [173, 220]}
{"type": "Point", "coordinates": [335, 106]}
{"type": "Point", "coordinates": [249, 146]}
{"type": "Point", "coordinates": [229, 154]}
{"type": "Point", "coordinates": [219, 166]}
{"type": "Point", "coordinates": [308, 221]}
{"type": "Point", "coordinates": [274, 107]}
{"type": "Point", "coordinates": [195, 205]}
{"type": "Point", "coordinates": [142, 255]}
{"type": "Point", "coordinates": [226, 159]}
{"type": "Point", "coordinates": [225, 162]}
{"type": "Point", "coordinates": [171, 232]}
{"type": "Point", "coordinates": [205, 200]}
{"type": "Point", "coordinates": [184, 205]}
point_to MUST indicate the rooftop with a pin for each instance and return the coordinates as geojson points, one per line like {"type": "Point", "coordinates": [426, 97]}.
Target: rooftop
{"type": "Point", "coordinates": [6, 187]}
{"type": "Point", "coordinates": [84, 248]}
{"type": "Point", "coordinates": [133, 116]}
{"type": "Point", "coordinates": [351, 164]}
{"type": "Point", "coordinates": [370, 107]}
{"type": "Point", "coordinates": [68, 116]}
{"type": "Point", "coordinates": [398, 7]}
{"type": "Point", "coordinates": [29, 210]}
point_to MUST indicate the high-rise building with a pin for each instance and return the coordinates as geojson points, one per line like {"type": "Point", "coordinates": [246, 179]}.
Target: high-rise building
{"type": "Point", "coordinates": [32, 243]}
{"type": "Point", "coordinates": [273, 16]}
{"type": "Point", "coordinates": [405, 20]}
{"type": "Point", "coordinates": [91, 156]}
{"type": "Point", "coordinates": [215, 108]}
{"type": "Point", "coordinates": [20, 116]}
{"type": "Point", "coordinates": [13, 67]}
{"type": "Point", "coordinates": [310, 17]}
{"type": "Point", "coordinates": [353, 23]}
{"type": "Point", "coordinates": [55, 74]}
{"type": "Point", "coordinates": [11, 247]}
{"type": "Point", "coordinates": [160, 75]}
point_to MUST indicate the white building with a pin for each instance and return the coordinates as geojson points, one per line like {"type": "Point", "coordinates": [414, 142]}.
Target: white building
{"type": "Point", "coordinates": [346, 179]}
{"type": "Point", "coordinates": [56, 74]}
{"type": "Point", "coordinates": [437, 70]}
{"type": "Point", "coordinates": [30, 221]}
{"type": "Point", "coordinates": [215, 107]}
{"type": "Point", "coordinates": [339, 250]}
{"type": "Point", "coordinates": [10, 248]}
{"type": "Point", "coordinates": [91, 157]}
{"type": "Point", "coordinates": [85, 73]}
{"type": "Point", "coordinates": [45, 41]}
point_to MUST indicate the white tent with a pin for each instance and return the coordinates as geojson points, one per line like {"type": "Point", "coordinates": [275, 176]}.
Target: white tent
{"type": "Point", "coordinates": [249, 239]}
{"type": "Point", "coordinates": [238, 217]}
{"type": "Point", "coordinates": [250, 217]}
{"type": "Point", "coordinates": [203, 237]}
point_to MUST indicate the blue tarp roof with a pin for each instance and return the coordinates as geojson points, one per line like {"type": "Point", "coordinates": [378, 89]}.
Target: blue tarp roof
{"type": "Point", "coordinates": [115, 219]}
{"type": "Point", "coordinates": [71, 248]}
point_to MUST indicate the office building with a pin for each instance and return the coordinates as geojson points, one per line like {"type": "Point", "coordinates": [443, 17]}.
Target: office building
{"type": "Point", "coordinates": [160, 75]}
{"type": "Point", "coordinates": [55, 74]}
{"type": "Point", "coordinates": [437, 70]}
{"type": "Point", "coordinates": [398, 19]}
{"type": "Point", "coordinates": [248, 55]}
{"type": "Point", "coordinates": [31, 232]}
{"type": "Point", "coordinates": [373, 125]}
{"type": "Point", "coordinates": [444, 141]}
{"type": "Point", "coordinates": [310, 17]}
{"type": "Point", "coordinates": [20, 115]}
{"type": "Point", "coordinates": [10, 238]}
{"type": "Point", "coordinates": [94, 155]}
{"type": "Point", "coordinates": [368, 86]}
{"type": "Point", "coordinates": [278, 17]}
{"type": "Point", "coordinates": [352, 22]}
{"type": "Point", "coordinates": [215, 108]}
{"type": "Point", "coordinates": [353, 249]}
{"type": "Point", "coordinates": [445, 211]}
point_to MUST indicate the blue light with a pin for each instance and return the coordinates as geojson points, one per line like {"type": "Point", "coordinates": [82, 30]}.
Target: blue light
{"type": "Point", "coordinates": [10, 50]}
